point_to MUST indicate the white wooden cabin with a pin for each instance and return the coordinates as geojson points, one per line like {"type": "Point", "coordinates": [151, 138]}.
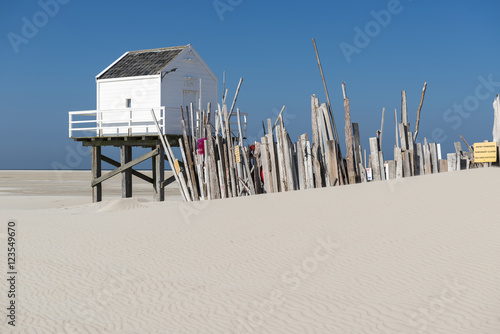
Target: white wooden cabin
{"type": "Point", "coordinates": [161, 79]}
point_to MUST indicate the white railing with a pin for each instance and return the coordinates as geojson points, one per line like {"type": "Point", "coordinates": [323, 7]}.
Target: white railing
{"type": "Point", "coordinates": [117, 122]}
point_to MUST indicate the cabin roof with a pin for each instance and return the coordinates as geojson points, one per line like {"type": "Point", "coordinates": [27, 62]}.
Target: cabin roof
{"type": "Point", "coordinates": [142, 62]}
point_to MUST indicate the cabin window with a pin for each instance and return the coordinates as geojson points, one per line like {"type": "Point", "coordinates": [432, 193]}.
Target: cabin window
{"type": "Point", "coordinates": [128, 103]}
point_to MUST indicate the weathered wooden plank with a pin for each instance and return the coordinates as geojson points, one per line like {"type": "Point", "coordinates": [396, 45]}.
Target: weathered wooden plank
{"type": "Point", "coordinates": [189, 164]}
{"type": "Point", "coordinates": [392, 169]}
{"type": "Point", "coordinates": [443, 165]}
{"type": "Point", "coordinates": [403, 136]}
{"type": "Point", "coordinates": [411, 156]}
{"type": "Point", "coordinates": [358, 155]}
{"type": "Point", "coordinates": [419, 110]}
{"type": "Point", "coordinates": [201, 181]}
{"type": "Point", "coordinates": [266, 171]}
{"type": "Point", "coordinates": [428, 161]}
{"type": "Point", "coordinates": [288, 159]}
{"type": "Point", "coordinates": [382, 165]}
{"type": "Point", "coordinates": [308, 163]}
{"type": "Point", "coordinates": [458, 151]}
{"type": "Point", "coordinates": [323, 138]}
{"type": "Point", "coordinates": [223, 172]}
{"type": "Point", "coordinates": [396, 126]}
{"type": "Point", "coordinates": [419, 160]}
{"type": "Point", "coordinates": [406, 164]}
{"type": "Point", "coordinates": [257, 167]}
{"type": "Point", "coordinates": [362, 173]}
{"type": "Point", "coordinates": [374, 157]}
{"type": "Point", "coordinates": [271, 146]}
{"type": "Point", "coordinates": [404, 112]}
{"type": "Point", "coordinates": [382, 127]}
{"type": "Point", "coordinates": [246, 164]}
{"type": "Point", "coordinates": [281, 159]}
{"type": "Point", "coordinates": [333, 176]}
{"type": "Point", "coordinates": [434, 158]}
{"type": "Point", "coordinates": [207, 168]}
{"type": "Point", "coordinates": [230, 153]}
{"type": "Point", "coordinates": [452, 162]}
{"type": "Point", "coordinates": [399, 163]}
{"type": "Point", "coordinates": [315, 144]}
{"type": "Point", "coordinates": [303, 153]}
{"type": "Point", "coordinates": [348, 141]}
{"type": "Point", "coordinates": [300, 165]}
{"type": "Point", "coordinates": [188, 175]}
{"type": "Point", "coordinates": [324, 110]}
{"type": "Point", "coordinates": [496, 124]}
{"type": "Point", "coordinates": [373, 145]}
{"type": "Point", "coordinates": [214, 175]}
{"type": "Point", "coordinates": [222, 186]}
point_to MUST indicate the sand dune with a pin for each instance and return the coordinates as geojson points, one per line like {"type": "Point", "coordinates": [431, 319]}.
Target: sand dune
{"type": "Point", "coordinates": [417, 255]}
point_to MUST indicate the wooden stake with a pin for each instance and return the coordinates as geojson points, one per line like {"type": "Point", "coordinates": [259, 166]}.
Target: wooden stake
{"type": "Point", "coordinates": [235, 97]}
{"type": "Point", "coordinates": [326, 92]}
{"type": "Point", "coordinates": [382, 127]}
{"type": "Point", "coordinates": [396, 120]}
{"type": "Point", "coordinates": [348, 140]}
{"type": "Point", "coordinates": [315, 144]}
{"type": "Point", "coordinates": [418, 112]}
{"type": "Point", "coordinates": [404, 112]}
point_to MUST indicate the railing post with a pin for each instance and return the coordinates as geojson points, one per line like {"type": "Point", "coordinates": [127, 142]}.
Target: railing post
{"type": "Point", "coordinates": [99, 122]}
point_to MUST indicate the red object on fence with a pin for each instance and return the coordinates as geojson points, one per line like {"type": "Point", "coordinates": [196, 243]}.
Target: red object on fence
{"type": "Point", "coordinates": [201, 146]}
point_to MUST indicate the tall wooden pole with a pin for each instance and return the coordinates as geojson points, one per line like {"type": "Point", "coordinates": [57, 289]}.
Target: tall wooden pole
{"type": "Point", "coordinates": [382, 128]}
{"type": "Point", "coordinates": [396, 122]}
{"type": "Point", "coordinates": [348, 139]}
{"type": "Point", "coordinates": [326, 91]}
{"type": "Point", "coordinates": [418, 112]}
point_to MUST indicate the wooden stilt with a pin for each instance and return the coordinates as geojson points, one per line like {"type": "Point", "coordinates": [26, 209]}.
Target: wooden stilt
{"type": "Point", "coordinates": [126, 157]}
{"type": "Point", "coordinates": [96, 173]}
{"type": "Point", "coordinates": [159, 174]}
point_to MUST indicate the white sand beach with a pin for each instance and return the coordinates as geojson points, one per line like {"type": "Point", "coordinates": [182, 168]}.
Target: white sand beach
{"type": "Point", "coordinates": [415, 255]}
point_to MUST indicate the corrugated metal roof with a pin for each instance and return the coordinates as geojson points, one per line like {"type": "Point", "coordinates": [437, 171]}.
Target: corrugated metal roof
{"type": "Point", "coordinates": [143, 62]}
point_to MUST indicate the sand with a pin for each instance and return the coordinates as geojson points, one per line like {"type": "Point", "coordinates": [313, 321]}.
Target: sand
{"type": "Point", "coordinates": [418, 255]}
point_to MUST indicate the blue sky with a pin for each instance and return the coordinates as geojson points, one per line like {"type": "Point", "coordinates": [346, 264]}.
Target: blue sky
{"type": "Point", "coordinates": [451, 45]}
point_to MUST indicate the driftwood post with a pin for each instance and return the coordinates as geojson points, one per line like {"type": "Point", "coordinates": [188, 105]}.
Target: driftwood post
{"type": "Point", "coordinates": [315, 144]}
{"type": "Point", "coordinates": [348, 139]}
{"type": "Point", "coordinates": [396, 120]}
{"type": "Point", "coordinates": [418, 112]}
{"type": "Point", "coordinates": [404, 112]}
{"type": "Point", "coordinates": [382, 127]}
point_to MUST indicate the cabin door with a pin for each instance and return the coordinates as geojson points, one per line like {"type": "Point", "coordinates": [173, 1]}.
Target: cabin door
{"type": "Point", "coordinates": [190, 96]}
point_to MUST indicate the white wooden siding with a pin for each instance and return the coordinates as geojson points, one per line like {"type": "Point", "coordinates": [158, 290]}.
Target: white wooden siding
{"type": "Point", "coordinates": [144, 93]}
{"type": "Point", "coordinates": [186, 77]}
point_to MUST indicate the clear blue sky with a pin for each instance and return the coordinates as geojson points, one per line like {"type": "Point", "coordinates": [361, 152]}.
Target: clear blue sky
{"type": "Point", "coordinates": [448, 44]}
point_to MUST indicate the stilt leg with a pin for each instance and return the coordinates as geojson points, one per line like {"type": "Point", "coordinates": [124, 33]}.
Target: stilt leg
{"type": "Point", "coordinates": [159, 174]}
{"type": "Point", "coordinates": [96, 172]}
{"type": "Point", "coordinates": [126, 156]}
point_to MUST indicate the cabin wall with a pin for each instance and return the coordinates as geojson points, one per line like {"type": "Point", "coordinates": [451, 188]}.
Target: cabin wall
{"type": "Point", "coordinates": [144, 92]}
{"type": "Point", "coordinates": [112, 94]}
{"type": "Point", "coordinates": [183, 86]}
